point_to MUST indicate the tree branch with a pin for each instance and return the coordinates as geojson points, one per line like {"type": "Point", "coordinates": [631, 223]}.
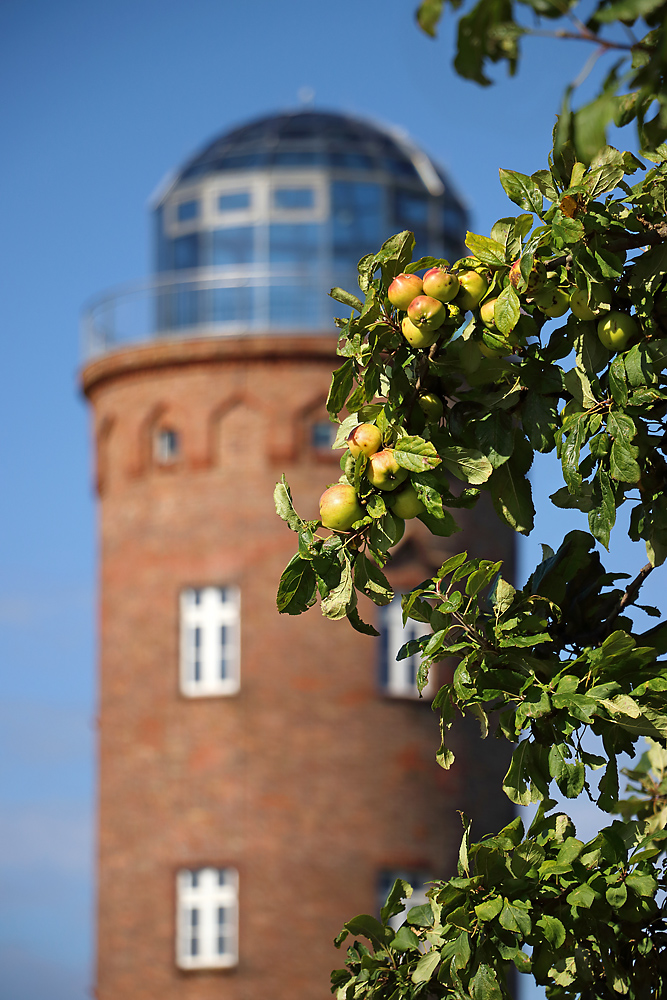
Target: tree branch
{"type": "Point", "coordinates": [629, 596]}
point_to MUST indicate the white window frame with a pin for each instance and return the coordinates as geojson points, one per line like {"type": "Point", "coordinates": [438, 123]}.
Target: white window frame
{"type": "Point", "coordinates": [398, 677]}
{"type": "Point", "coordinates": [207, 899]}
{"type": "Point", "coordinates": [210, 629]}
{"type": "Point", "coordinates": [166, 445]}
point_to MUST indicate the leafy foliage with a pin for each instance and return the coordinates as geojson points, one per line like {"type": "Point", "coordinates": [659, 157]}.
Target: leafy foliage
{"type": "Point", "coordinates": [560, 659]}
{"type": "Point", "coordinates": [634, 90]}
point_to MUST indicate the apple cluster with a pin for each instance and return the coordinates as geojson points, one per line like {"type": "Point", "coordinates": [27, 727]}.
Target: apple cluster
{"type": "Point", "coordinates": [434, 305]}
{"type": "Point", "coordinates": [340, 507]}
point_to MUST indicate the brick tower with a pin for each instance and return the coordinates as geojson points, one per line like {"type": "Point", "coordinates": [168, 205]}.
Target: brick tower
{"type": "Point", "coordinates": [262, 778]}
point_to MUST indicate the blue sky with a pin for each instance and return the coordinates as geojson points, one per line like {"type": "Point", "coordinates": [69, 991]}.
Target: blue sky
{"type": "Point", "coordinates": [100, 100]}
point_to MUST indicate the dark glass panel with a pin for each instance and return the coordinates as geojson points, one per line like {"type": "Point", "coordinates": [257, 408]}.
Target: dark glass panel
{"type": "Point", "coordinates": [411, 209]}
{"type": "Point", "coordinates": [353, 161]}
{"type": "Point", "coordinates": [233, 246]}
{"type": "Point", "coordinates": [294, 306]}
{"type": "Point", "coordinates": [186, 251]}
{"type": "Point", "coordinates": [234, 201]}
{"type": "Point", "coordinates": [294, 243]}
{"type": "Point", "coordinates": [297, 158]}
{"type": "Point", "coordinates": [358, 223]}
{"type": "Point", "coordinates": [231, 305]}
{"type": "Point", "coordinates": [294, 197]}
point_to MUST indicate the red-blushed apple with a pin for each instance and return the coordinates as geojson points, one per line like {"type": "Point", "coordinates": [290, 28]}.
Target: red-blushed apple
{"type": "Point", "coordinates": [417, 337]}
{"type": "Point", "coordinates": [431, 406]}
{"type": "Point", "coordinates": [473, 287]}
{"type": "Point", "coordinates": [553, 302]}
{"type": "Point", "coordinates": [616, 330]}
{"type": "Point", "coordinates": [403, 289]}
{"type": "Point", "coordinates": [536, 276]}
{"type": "Point", "coordinates": [383, 471]}
{"type": "Point", "coordinates": [340, 507]}
{"type": "Point", "coordinates": [427, 313]}
{"type": "Point", "coordinates": [406, 503]}
{"type": "Point", "coordinates": [440, 284]}
{"type": "Point", "coordinates": [580, 305]}
{"type": "Point", "coordinates": [365, 439]}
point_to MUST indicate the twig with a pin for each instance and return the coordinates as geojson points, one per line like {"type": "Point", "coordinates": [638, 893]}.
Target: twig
{"type": "Point", "coordinates": [630, 595]}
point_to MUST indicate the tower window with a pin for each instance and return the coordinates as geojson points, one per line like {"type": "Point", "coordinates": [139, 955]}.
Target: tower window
{"type": "Point", "coordinates": [398, 678]}
{"type": "Point", "coordinates": [323, 435]}
{"type": "Point", "coordinates": [294, 198]}
{"type": "Point", "coordinates": [210, 641]}
{"type": "Point", "coordinates": [187, 210]}
{"type": "Point", "coordinates": [234, 201]}
{"type": "Point", "coordinates": [167, 445]}
{"type": "Point", "coordinates": [207, 919]}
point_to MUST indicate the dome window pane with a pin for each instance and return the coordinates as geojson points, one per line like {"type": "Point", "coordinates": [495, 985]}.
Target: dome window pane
{"type": "Point", "coordinates": [231, 305]}
{"type": "Point", "coordinates": [294, 307]}
{"type": "Point", "coordinates": [234, 201]}
{"type": "Point", "coordinates": [352, 161]}
{"type": "Point", "coordinates": [233, 246]}
{"type": "Point", "coordinates": [294, 243]}
{"type": "Point", "coordinates": [240, 162]}
{"type": "Point", "coordinates": [411, 209]}
{"type": "Point", "coordinates": [187, 210]}
{"type": "Point", "coordinates": [294, 197]}
{"type": "Point", "coordinates": [296, 158]}
{"type": "Point", "coordinates": [186, 251]}
{"type": "Point", "coordinates": [358, 218]}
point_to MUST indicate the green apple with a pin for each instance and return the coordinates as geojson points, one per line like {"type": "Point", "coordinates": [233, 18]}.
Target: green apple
{"type": "Point", "coordinates": [579, 304]}
{"type": "Point", "coordinates": [417, 337]}
{"type": "Point", "coordinates": [616, 329]}
{"type": "Point", "coordinates": [536, 276]}
{"type": "Point", "coordinates": [473, 287]}
{"type": "Point", "coordinates": [383, 471]}
{"type": "Point", "coordinates": [553, 302]}
{"type": "Point", "coordinates": [431, 406]}
{"type": "Point", "coordinates": [441, 284]}
{"type": "Point", "coordinates": [487, 312]}
{"type": "Point", "coordinates": [340, 507]}
{"type": "Point", "coordinates": [427, 313]}
{"type": "Point", "coordinates": [406, 503]}
{"type": "Point", "coordinates": [365, 439]}
{"type": "Point", "coordinates": [403, 289]}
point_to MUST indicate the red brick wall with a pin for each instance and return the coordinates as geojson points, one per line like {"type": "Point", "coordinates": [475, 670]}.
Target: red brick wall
{"type": "Point", "coordinates": [307, 781]}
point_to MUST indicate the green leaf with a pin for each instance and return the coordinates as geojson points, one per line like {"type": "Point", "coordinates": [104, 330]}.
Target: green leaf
{"type": "Point", "coordinates": [297, 590]}
{"type": "Point", "coordinates": [367, 926]}
{"type": "Point", "coordinates": [405, 940]}
{"type": "Point", "coordinates": [282, 498]}
{"type": "Point", "coordinates": [335, 605]}
{"type": "Point", "coordinates": [507, 310]}
{"type": "Point", "coordinates": [582, 896]}
{"type": "Point", "coordinates": [522, 190]}
{"type": "Point", "coordinates": [569, 775]}
{"type": "Point", "coordinates": [372, 581]}
{"type": "Point", "coordinates": [346, 298]}
{"type": "Point", "coordinates": [627, 10]}
{"type": "Point", "coordinates": [553, 930]}
{"type": "Point", "coordinates": [429, 13]}
{"type": "Point", "coordinates": [425, 967]}
{"type": "Point", "coordinates": [489, 909]}
{"type": "Point", "coordinates": [565, 230]}
{"type": "Point", "coordinates": [617, 895]}
{"type": "Point", "coordinates": [514, 917]}
{"type": "Point", "coordinates": [489, 252]}
{"type": "Point", "coordinates": [485, 985]}
{"type": "Point", "coordinates": [511, 491]}
{"type": "Point", "coordinates": [515, 783]}
{"type": "Point", "coordinates": [540, 420]}
{"type": "Point", "coordinates": [642, 885]}
{"type": "Point", "coordinates": [416, 454]}
{"type": "Point", "coordinates": [399, 892]}
{"type": "Point", "coordinates": [358, 625]}
{"type": "Point", "coordinates": [341, 384]}
{"type": "Point", "coordinates": [466, 464]}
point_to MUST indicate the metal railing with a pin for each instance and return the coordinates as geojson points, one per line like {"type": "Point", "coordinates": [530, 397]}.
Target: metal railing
{"type": "Point", "coordinates": [212, 302]}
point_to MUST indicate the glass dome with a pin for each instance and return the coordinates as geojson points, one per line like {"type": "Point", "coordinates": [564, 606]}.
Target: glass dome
{"type": "Point", "coordinates": [254, 230]}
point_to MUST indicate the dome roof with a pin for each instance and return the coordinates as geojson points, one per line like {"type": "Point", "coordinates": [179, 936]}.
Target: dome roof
{"type": "Point", "coordinates": [314, 138]}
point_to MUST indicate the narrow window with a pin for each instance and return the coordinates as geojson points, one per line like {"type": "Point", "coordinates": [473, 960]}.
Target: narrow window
{"type": "Point", "coordinates": [166, 445]}
{"type": "Point", "coordinates": [187, 210]}
{"type": "Point", "coordinates": [322, 436]}
{"type": "Point", "coordinates": [398, 678]}
{"type": "Point", "coordinates": [207, 918]}
{"type": "Point", "coordinates": [210, 641]}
